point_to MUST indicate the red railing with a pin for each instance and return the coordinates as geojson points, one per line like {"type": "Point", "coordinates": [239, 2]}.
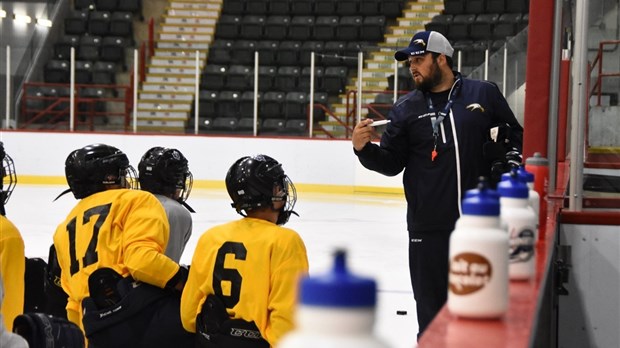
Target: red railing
{"type": "Point", "coordinates": [53, 111]}
{"type": "Point", "coordinates": [329, 115]}
{"type": "Point", "coordinates": [151, 37]}
{"type": "Point", "coordinates": [598, 62]}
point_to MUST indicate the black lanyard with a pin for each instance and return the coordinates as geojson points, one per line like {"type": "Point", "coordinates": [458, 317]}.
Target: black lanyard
{"type": "Point", "coordinates": [440, 115]}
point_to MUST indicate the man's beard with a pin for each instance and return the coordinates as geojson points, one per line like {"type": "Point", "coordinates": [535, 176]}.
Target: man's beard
{"type": "Point", "coordinates": [428, 83]}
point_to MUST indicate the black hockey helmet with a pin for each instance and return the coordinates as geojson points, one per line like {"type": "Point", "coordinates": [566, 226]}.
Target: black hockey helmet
{"type": "Point", "coordinates": [164, 171]}
{"type": "Point", "coordinates": [8, 176]}
{"type": "Point", "coordinates": [258, 181]}
{"type": "Point", "coordinates": [95, 167]}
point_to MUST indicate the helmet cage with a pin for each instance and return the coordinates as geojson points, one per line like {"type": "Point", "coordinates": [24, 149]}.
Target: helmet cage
{"type": "Point", "coordinates": [186, 186]}
{"type": "Point", "coordinates": [9, 178]}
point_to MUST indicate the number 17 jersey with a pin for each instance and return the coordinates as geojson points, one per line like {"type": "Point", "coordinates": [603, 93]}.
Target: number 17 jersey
{"type": "Point", "coordinates": [126, 230]}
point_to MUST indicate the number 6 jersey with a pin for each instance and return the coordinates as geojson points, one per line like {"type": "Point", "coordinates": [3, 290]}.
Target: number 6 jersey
{"type": "Point", "coordinates": [122, 229]}
{"type": "Point", "coordinates": [253, 265]}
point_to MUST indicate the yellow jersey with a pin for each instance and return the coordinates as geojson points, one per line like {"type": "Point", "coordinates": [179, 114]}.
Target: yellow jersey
{"type": "Point", "coordinates": [253, 265]}
{"type": "Point", "coordinates": [126, 230]}
{"type": "Point", "coordinates": [12, 269]}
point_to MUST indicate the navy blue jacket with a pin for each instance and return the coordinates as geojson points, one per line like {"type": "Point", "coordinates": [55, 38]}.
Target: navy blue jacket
{"type": "Point", "coordinates": [434, 189]}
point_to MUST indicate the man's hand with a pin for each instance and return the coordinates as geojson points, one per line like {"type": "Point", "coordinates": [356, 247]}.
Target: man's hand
{"type": "Point", "coordinates": [362, 134]}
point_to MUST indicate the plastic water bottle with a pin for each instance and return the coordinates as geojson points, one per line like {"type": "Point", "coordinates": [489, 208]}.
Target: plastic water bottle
{"type": "Point", "coordinates": [478, 275]}
{"type": "Point", "coordinates": [336, 310]}
{"type": "Point", "coordinates": [519, 220]}
{"type": "Point", "coordinates": [533, 196]}
{"type": "Point", "coordinates": [539, 166]}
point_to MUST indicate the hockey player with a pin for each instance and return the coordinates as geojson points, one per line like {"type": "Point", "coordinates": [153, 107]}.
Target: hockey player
{"type": "Point", "coordinates": [164, 172]}
{"type": "Point", "coordinates": [12, 260]}
{"type": "Point", "coordinates": [241, 289]}
{"type": "Point", "coordinates": [123, 291]}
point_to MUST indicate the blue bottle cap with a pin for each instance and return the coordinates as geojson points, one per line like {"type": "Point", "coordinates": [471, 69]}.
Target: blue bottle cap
{"type": "Point", "coordinates": [338, 288]}
{"type": "Point", "coordinates": [525, 175]}
{"type": "Point", "coordinates": [481, 201]}
{"type": "Point", "coordinates": [512, 186]}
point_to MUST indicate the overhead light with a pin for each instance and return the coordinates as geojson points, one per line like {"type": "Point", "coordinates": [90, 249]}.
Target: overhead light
{"type": "Point", "coordinates": [44, 22]}
{"type": "Point", "coordinates": [2, 14]}
{"type": "Point", "coordinates": [22, 18]}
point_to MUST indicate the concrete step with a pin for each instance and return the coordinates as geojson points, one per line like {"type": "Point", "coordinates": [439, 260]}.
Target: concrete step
{"type": "Point", "coordinates": [180, 52]}
{"type": "Point", "coordinates": [161, 78]}
{"type": "Point", "coordinates": [166, 96]}
{"type": "Point", "coordinates": [408, 31]}
{"type": "Point", "coordinates": [188, 28]}
{"type": "Point", "coordinates": [170, 69]}
{"type": "Point", "coordinates": [185, 37]}
{"type": "Point", "coordinates": [376, 72]}
{"type": "Point", "coordinates": [168, 87]}
{"type": "Point", "coordinates": [184, 45]}
{"type": "Point", "coordinates": [397, 40]}
{"type": "Point", "coordinates": [164, 105]}
{"type": "Point", "coordinates": [371, 82]}
{"type": "Point", "coordinates": [385, 55]}
{"type": "Point", "coordinates": [414, 21]}
{"type": "Point", "coordinates": [425, 6]}
{"type": "Point", "coordinates": [377, 64]}
{"type": "Point", "coordinates": [157, 114]}
{"type": "Point", "coordinates": [198, 13]}
{"type": "Point", "coordinates": [206, 5]}
{"type": "Point", "coordinates": [190, 20]}
{"type": "Point", "coordinates": [177, 61]}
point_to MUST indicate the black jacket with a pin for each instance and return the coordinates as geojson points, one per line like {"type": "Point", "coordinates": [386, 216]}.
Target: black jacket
{"type": "Point", "coordinates": [434, 189]}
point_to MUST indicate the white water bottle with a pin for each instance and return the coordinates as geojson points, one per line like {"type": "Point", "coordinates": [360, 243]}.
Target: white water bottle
{"type": "Point", "coordinates": [533, 196]}
{"type": "Point", "coordinates": [335, 310]}
{"type": "Point", "coordinates": [478, 274]}
{"type": "Point", "coordinates": [520, 221]}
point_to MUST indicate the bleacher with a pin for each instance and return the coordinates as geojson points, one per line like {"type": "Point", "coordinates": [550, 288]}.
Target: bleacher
{"type": "Point", "coordinates": [285, 32]}
{"type": "Point", "coordinates": [100, 32]}
{"type": "Point", "coordinates": [473, 26]}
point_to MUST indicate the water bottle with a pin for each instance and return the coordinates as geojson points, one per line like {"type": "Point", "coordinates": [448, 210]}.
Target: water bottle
{"type": "Point", "coordinates": [335, 310]}
{"type": "Point", "coordinates": [520, 222]}
{"type": "Point", "coordinates": [478, 274]}
{"type": "Point", "coordinates": [533, 197]}
{"type": "Point", "coordinates": [539, 166]}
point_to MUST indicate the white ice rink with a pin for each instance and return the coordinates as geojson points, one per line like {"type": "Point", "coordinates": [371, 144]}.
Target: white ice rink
{"type": "Point", "coordinates": [371, 228]}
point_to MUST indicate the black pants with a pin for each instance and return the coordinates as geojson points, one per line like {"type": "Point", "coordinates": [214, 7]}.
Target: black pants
{"type": "Point", "coordinates": [428, 266]}
{"type": "Point", "coordinates": [146, 317]}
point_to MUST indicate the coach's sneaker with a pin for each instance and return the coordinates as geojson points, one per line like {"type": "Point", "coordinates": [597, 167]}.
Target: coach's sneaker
{"type": "Point", "coordinates": [102, 285]}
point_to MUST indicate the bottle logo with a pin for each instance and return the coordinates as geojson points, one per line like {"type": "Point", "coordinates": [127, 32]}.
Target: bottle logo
{"type": "Point", "coordinates": [469, 273]}
{"type": "Point", "coordinates": [521, 245]}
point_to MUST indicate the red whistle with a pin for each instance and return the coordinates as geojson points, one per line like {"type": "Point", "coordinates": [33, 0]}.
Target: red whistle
{"type": "Point", "coordinates": [433, 155]}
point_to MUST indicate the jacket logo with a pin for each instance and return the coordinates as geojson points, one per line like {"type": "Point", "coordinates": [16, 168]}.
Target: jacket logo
{"type": "Point", "coordinates": [475, 106]}
{"type": "Point", "coordinates": [419, 42]}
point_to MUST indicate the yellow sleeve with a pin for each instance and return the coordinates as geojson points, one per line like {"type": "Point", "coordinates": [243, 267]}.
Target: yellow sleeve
{"type": "Point", "coordinates": [194, 294]}
{"type": "Point", "coordinates": [290, 262]}
{"type": "Point", "coordinates": [12, 269]}
{"type": "Point", "coordinates": [146, 233]}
